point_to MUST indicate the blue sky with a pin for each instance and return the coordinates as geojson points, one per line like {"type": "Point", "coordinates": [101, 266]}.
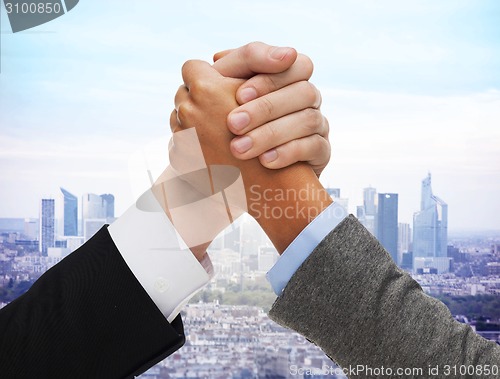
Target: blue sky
{"type": "Point", "coordinates": [408, 87]}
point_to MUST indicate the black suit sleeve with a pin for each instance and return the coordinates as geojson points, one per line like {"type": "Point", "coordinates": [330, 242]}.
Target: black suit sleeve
{"type": "Point", "coordinates": [86, 317]}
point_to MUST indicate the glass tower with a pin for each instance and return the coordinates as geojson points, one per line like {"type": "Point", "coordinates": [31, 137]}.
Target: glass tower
{"type": "Point", "coordinates": [430, 225]}
{"type": "Point", "coordinates": [93, 206]}
{"type": "Point", "coordinates": [70, 213]}
{"type": "Point", "coordinates": [387, 223]}
{"type": "Point", "coordinates": [369, 194]}
{"type": "Point", "coordinates": [47, 225]}
{"type": "Point", "coordinates": [109, 205]}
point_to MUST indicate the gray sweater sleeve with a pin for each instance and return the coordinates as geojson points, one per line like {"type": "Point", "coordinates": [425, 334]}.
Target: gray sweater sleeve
{"type": "Point", "coordinates": [351, 299]}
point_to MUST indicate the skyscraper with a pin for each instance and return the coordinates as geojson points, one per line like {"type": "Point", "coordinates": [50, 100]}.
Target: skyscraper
{"type": "Point", "coordinates": [387, 223]}
{"type": "Point", "coordinates": [369, 195]}
{"type": "Point", "coordinates": [404, 239]}
{"type": "Point", "coordinates": [367, 212]}
{"type": "Point", "coordinates": [93, 207]}
{"type": "Point", "coordinates": [110, 205]}
{"type": "Point", "coordinates": [94, 210]}
{"type": "Point", "coordinates": [70, 213]}
{"type": "Point", "coordinates": [31, 228]}
{"type": "Point", "coordinates": [430, 230]}
{"type": "Point", "coordinates": [47, 225]}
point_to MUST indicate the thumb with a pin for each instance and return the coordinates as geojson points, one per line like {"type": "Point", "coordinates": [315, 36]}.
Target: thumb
{"type": "Point", "coordinates": [222, 54]}
{"type": "Point", "coordinates": [254, 58]}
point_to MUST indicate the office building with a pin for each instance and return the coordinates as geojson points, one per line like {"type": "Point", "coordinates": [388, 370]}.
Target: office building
{"type": "Point", "coordinates": [367, 213]}
{"type": "Point", "coordinates": [47, 225]}
{"type": "Point", "coordinates": [387, 223]}
{"type": "Point", "coordinates": [109, 205]}
{"type": "Point", "coordinates": [70, 213]}
{"type": "Point", "coordinates": [369, 196]}
{"type": "Point", "coordinates": [31, 229]}
{"type": "Point", "coordinates": [93, 207]}
{"type": "Point", "coordinates": [96, 211]}
{"type": "Point", "coordinates": [404, 239]}
{"type": "Point", "coordinates": [430, 230]}
{"type": "Point", "coordinates": [98, 206]}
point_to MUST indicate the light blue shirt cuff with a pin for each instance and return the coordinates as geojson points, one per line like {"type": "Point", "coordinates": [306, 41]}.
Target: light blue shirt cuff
{"type": "Point", "coordinates": [303, 245]}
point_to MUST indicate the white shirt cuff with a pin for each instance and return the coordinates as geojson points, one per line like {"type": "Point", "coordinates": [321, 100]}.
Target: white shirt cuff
{"type": "Point", "coordinates": [157, 256]}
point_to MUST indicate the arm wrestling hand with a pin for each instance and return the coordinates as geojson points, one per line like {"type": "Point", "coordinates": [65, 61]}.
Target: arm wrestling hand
{"type": "Point", "coordinates": [205, 103]}
{"type": "Point", "coordinates": [279, 119]}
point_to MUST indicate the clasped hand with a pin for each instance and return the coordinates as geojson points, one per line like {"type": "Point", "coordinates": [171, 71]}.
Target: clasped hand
{"type": "Point", "coordinates": [254, 113]}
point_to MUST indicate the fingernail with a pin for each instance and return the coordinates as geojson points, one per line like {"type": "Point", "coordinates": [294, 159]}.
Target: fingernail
{"type": "Point", "coordinates": [279, 52]}
{"type": "Point", "coordinates": [243, 144]}
{"type": "Point", "coordinates": [248, 94]}
{"type": "Point", "coordinates": [239, 120]}
{"type": "Point", "coordinates": [270, 156]}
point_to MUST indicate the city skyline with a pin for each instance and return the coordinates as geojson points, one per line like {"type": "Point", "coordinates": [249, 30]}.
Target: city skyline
{"type": "Point", "coordinates": [102, 207]}
{"type": "Point", "coordinates": [82, 93]}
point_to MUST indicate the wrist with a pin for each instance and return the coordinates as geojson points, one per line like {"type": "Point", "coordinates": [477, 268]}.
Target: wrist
{"type": "Point", "coordinates": [284, 202]}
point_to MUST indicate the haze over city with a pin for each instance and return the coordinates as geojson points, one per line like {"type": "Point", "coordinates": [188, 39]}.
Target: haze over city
{"type": "Point", "coordinates": [408, 88]}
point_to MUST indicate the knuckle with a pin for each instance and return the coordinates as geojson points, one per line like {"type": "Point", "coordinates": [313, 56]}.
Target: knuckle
{"type": "Point", "coordinates": [293, 149]}
{"type": "Point", "coordinates": [173, 118]}
{"type": "Point", "coordinates": [187, 66]}
{"type": "Point", "coordinates": [322, 145]}
{"type": "Point", "coordinates": [326, 127]}
{"type": "Point", "coordinates": [269, 83]}
{"type": "Point", "coordinates": [250, 49]}
{"type": "Point", "coordinates": [313, 120]}
{"type": "Point", "coordinates": [180, 94]}
{"type": "Point", "coordinates": [265, 106]}
{"type": "Point", "coordinates": [319, 97]}
{"type": "Point", "coordinates": [309, 92]}
{"type": "Point", "coordinates": [305, 64]}
{"type": "Point", "coordinates": [185, 113]}
{"type": "Point", "coordinates": [272, 133]}
{"type": "Point", "coordinates": [199, 87]}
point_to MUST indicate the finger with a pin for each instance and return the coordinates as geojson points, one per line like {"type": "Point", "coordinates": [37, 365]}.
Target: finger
{"type": "Point", "coordinates": [184, 107]}
{"type": "Point", "coordinates": [289, 99]}
{"type": "Point", "coordinates": [255, 58]}
{"type": "Point", "coordinates": [221, 54]}
{"type": "Point", "coordinates": [175, 125]}
{"type": "Point", "coordinates": [196, 73]}
{"type": "Point", "coordinates": [278, 132]}
{"type": "Point", "coordinates": [314, 150]}
{"type": "Point", "coordinates": [181, 96]}
{"type": "Point", "coordinates": [262, 84]}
